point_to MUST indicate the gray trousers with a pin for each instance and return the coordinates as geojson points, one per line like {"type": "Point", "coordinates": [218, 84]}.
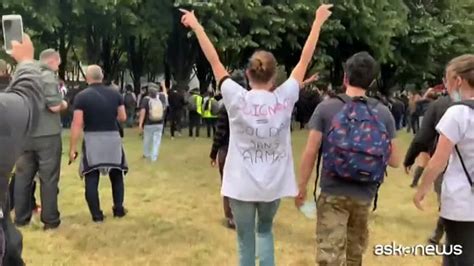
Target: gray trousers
{"type": "Point", "coordinates": [43, 156]}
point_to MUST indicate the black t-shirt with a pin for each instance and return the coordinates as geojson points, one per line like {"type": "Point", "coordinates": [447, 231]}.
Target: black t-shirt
{"type": "Point", "coordinates": [146, 105]}
{"type": "Point", "coordinates": [176, 100]}
{"type": "Point", "coordinates": [100, 105]}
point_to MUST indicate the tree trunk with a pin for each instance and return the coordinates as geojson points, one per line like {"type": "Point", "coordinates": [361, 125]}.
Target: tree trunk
{"type": "Point", "coordinates": [181, 53]}
{"type": "Point", "coordinates": [167, 74]}
{"type": "Point", "coordinates": [137, 48]}
{"type": "Point", "coordinates": [203, 73]}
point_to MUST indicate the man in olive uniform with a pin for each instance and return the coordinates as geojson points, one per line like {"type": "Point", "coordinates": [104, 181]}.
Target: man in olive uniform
{"type": "Point", "coordinates": [42, 153]}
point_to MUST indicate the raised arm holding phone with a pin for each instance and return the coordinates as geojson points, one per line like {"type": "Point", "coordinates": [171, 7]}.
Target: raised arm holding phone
{"type": "Point", "coordinates": [19, 106]}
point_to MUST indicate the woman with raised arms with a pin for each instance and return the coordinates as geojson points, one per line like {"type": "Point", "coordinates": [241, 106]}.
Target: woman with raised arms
{"type": "Point", "coordinates": [253, 181]}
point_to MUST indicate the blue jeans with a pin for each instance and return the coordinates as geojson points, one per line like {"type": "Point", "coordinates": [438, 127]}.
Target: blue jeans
{"type": "Point", "coordinates": [130, 117]}
{"type": "Point", "coordinates": [152, 141]}
{"type": "Point", "coordinates": [244, 218]}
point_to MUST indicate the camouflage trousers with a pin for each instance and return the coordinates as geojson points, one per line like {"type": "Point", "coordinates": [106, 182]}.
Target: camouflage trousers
{"type": "Point", "coordinates": [342, 230]}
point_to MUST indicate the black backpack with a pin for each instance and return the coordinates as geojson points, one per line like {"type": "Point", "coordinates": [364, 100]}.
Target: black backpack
{"type": "Point", "coordinates": [129, 100]}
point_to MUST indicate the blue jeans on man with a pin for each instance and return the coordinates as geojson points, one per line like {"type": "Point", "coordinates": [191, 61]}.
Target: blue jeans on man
{"type": "Point", "coordinates": [247, 216]}
{"type": "Point", "coordinates": [130, 117]}
{"type": "Point", "coordinates": [152, 141]}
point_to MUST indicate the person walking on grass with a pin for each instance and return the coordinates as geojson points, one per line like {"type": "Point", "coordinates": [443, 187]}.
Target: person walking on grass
{"type": "Point", "coordinates": [195, 113]}
{"type": "Point", "coordinates": [152, 114]}
{"type": "Point", "coordinates": [355, 136]}
{"type": "Point", "coordinates": [96, 112]}
{"type": "Point", "coordinates": [456, 150]}
{"type": "Point", "coordinates": [177, 103]}
{"type": "Point", "coordinates": [258, 172]}
{"type": "Point", "coordinates": [210, 112]}
{"type": "Point", "coordinates": [130, 101]}
{"type": "Point", "coordinates": [42, 154]}
{"type": "Point", "coordinates": [220, 145]}
{"type": "Point", "coordinates": [425, 142]}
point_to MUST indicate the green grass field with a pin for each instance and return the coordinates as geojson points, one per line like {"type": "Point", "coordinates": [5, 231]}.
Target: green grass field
{"type": "Point", "coordinates": [175, 216]}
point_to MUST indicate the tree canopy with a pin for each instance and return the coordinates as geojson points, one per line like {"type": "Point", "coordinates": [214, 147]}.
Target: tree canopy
{"type": "Point", "coordinates": [411, 39]}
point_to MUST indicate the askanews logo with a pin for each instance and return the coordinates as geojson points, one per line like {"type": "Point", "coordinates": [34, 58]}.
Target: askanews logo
{"type": "Point", "coordinates": [395, 249]}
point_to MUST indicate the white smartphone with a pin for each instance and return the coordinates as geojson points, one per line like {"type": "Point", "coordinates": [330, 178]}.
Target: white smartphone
{"type": "Point", "coordinates": [12, 30]}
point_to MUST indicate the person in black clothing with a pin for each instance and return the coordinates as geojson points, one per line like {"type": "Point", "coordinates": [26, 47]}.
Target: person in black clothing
{"type": "Point", "coordinates": [220, 144]}
{"type": "Point", "coordinates": [413, 111]}
{"type": "Point", "coordinates": [422, 106]}
{"type": "Point", "coordinates": [177, 102]}
{"type": "Point", "coordinates": [424, 157]}
{"type": "Point", "coordinates": [130, 101]}
{"type": "Point", "coordinates": [398, 109]}
{"type": "Point", "coordinates": [219, 154]}
{"type": "Point", "coordinates": [425, 142]}
{"type": "Point", "coordinates": [309, 100]}
{"type": "Point", "coordinates": [97, 111]}
{"type": "Point", "coordinates": [404, 99]}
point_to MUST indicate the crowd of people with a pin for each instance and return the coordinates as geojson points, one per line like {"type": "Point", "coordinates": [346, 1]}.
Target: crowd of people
{"type": "Point", "coordinates": [351, 134]}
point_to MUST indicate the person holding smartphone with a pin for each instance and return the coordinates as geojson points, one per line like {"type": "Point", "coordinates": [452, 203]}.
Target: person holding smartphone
{"type": "Point", "coordinates": [19, 105]}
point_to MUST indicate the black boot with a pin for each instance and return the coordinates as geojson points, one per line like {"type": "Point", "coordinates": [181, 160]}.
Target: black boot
{"type": "Point", "coordinates": [119, 212]}
{"type": "Point", "coordinates": [416, 178]}
{"type": "Point", "coordinates": [99, 218]}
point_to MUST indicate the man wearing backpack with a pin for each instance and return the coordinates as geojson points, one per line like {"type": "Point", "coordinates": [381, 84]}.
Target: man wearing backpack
{"type": "Point", "coordinates": [152, 112]}
{"type": "Point", "coordinates": [354, 163]}
{"type": "Point", "coordinates": [210, 113]}
{"type": "Point", "coordinates": [130, 101]}
{"type": "Point", "coordinates": [195, 112]}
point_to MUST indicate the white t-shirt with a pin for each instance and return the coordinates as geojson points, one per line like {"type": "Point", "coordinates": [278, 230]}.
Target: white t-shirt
{"type": "Point", "coordinates": [457, 198]}
{"type": "Point", "coordinates": [259, 164]}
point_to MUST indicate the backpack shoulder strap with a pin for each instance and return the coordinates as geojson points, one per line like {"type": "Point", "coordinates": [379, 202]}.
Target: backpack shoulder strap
{"type": "Point", "coordinates": [469, 179]}
{"type": "Point", "coordinates": [468, 103]}
{"type": "Point", "coordinates": [318, 171]}
{"type": "Point", "coordinates": [372, 102]}
{"type": "Point", "coordinates": [344, 98]}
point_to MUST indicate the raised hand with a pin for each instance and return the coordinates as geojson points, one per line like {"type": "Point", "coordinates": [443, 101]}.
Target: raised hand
{"type": "Point", "coordinates": [23, 51]}
{"type": "Point", "coordinates": [323, 13]}
{"type": "Point", "coordinates": [189, 19]}
{"type": "Point", "coordinates": [312, 79]}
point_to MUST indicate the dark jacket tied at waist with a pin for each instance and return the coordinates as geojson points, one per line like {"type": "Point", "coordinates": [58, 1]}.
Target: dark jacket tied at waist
{"type": "Point", "coordinates": [102, 151]}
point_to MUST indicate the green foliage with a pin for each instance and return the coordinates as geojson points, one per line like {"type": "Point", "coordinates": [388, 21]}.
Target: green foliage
{"type": "Point", "coordinates": [412, 40]}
